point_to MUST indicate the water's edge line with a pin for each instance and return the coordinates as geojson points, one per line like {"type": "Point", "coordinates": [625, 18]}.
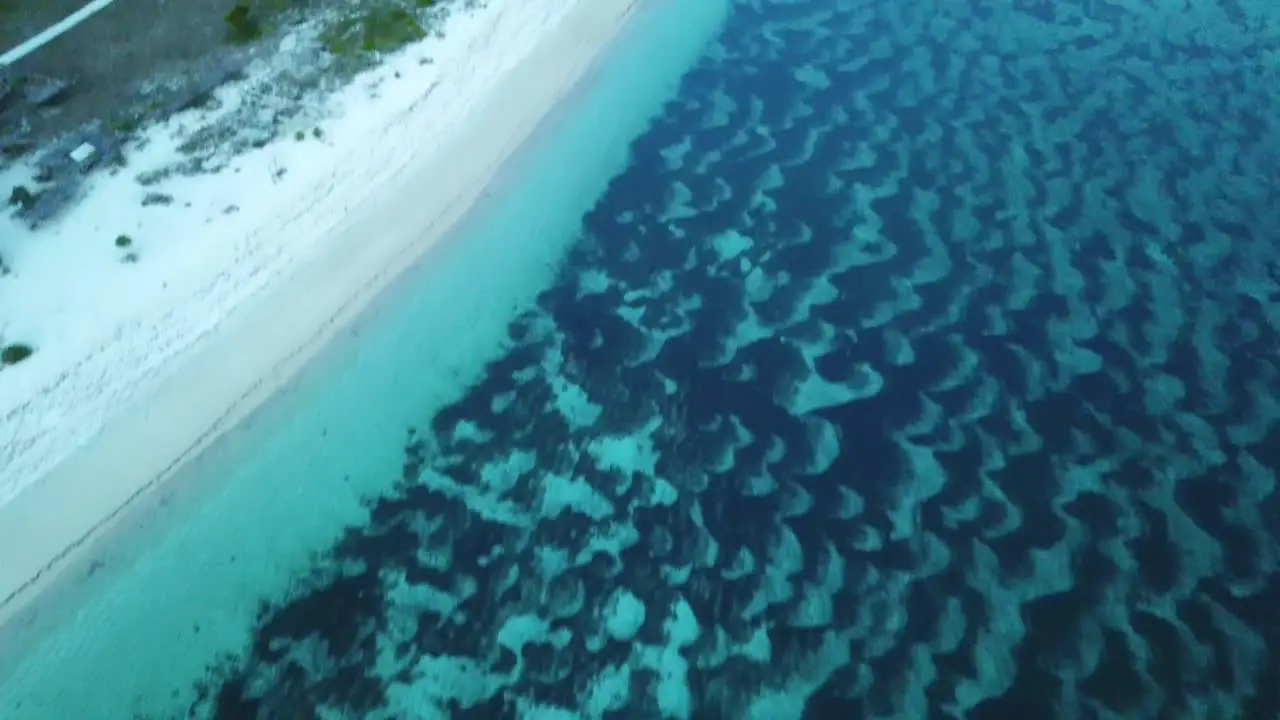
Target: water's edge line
{"type": "Point", "coordinates": [17, 605]}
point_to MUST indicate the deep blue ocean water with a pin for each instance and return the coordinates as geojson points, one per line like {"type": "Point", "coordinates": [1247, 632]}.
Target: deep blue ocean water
{"type": "Point", "coordinates": [922, 363]}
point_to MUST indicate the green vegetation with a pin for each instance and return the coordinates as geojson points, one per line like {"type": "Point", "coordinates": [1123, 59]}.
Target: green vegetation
{"type": "Point", "coordinates": [124, 241]}
{"type": "Point", "coordinates": [243, 25]}
{"type": "Point", "coordinates": [381, 29]}
{"type": "Point", "coordinates": [125, 123]}
{"type": "Point", "coordinates": [14, 354]}
{"type": "Point", "coordinates": [21, 197]}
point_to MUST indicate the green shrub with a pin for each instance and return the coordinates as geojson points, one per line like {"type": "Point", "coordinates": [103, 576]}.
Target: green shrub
{"type": "Point", "coordinates": [14, 354]}
{"type": "Point", "coordinates": [242, 25]}
{"type": "Point", "coordinates": [381, 29]}
{"type": "Point", "coordinates": [123, 241]}
{"type": "Point", "coordinates": [21, 197]}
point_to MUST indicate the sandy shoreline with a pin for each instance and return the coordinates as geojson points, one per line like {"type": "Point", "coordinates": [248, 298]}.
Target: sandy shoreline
{"type": "Point", "coordinates": [56, 525]}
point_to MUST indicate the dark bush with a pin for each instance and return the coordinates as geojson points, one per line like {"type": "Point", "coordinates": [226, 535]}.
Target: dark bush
{"type": "Point", "coordinates": [14, 354]}
{"type": "Point", "coordinates": [21, 197]}
{"type": "Point", "coordinates": [242, 26]}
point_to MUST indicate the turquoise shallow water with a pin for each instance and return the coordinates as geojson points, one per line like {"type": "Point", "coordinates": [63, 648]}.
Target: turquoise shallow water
{"type": "Point", "coordinates": [917, 360]}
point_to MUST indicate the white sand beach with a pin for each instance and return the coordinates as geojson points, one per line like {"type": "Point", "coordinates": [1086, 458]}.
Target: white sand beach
{"type": "Point", "coordinates": [140, 365]}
